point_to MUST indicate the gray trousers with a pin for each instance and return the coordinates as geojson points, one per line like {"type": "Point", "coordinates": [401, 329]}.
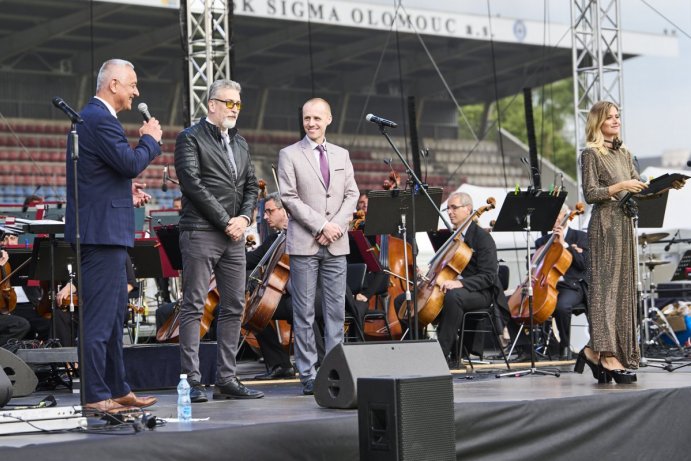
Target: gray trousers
{"type": "Point", "coordinates": [204, 253]}
{"type": "Point", "coordinates": [304, 272]}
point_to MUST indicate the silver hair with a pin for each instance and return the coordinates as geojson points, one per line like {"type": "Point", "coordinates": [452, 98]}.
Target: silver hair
{"type": "Point", "coordinates": [105, 74]}
{"type": "Point", "coordinates": [465, 198]}
{"type": "Point", "coordinates": [223, 84]}
{"type": "Point", "coordinates": [276, 197]}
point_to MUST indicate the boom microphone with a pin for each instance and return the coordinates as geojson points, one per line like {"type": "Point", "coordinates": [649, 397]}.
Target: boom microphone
{"type": "Point", "coordinates": [144, 110]}
{"type": "Point", "coordinates": [71, 113]}
{"type": "Point", "coordinates": [380, 121]}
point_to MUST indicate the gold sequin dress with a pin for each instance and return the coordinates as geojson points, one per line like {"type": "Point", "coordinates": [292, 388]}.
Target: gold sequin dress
{"type": "Point", "coordinates": [612, 271]}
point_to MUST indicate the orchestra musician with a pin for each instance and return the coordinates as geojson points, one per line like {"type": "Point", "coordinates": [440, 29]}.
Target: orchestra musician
{"type": "Point", "coordinates": [107, 195]}
{"type": "Point", "coordinates": [318, 189]}
{"type": "Point", "coordinates": [12, 327]}
{"type": "Point", "coordinates": [573, 288]}
{"type": "Point", "coordinates": [478, 286]}
{"type": "Point", "coordinates": [219, 192]}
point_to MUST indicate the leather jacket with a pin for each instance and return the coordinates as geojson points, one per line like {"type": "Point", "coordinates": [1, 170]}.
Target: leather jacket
{"type": "Point", "coordinates": [210, 194]}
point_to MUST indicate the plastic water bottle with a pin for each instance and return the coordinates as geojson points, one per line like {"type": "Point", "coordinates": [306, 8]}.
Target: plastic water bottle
{"type": "Point", "coordinates": [184, 402]}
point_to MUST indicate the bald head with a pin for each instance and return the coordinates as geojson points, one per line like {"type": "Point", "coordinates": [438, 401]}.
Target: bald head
{"type": "Point", "coordinates": [316, 116]}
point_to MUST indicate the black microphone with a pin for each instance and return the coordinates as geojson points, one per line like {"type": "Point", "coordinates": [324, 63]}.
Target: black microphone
{"type": "Point", "coordinates": [669, 245]}
{"type": "Point", "coordinates": [380, 121]}
{"type": "Point", "coordinates": [144, 110]}
{"type": "Point", "coordinates": [71, 113]}
{"type": "Point", "coordinates": [164, 184]}
{"type": "Point", "coordinates": [628, 195]}
{"type": "Point", "coordinates": [688, 164]}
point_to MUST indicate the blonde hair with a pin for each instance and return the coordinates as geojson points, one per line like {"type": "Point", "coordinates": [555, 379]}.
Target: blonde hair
{"type": "Point", "coordinates": [596, 117]}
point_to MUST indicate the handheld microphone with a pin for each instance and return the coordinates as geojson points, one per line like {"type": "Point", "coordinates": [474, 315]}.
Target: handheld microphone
{"type": "Point", "coordinates": [71, 113]}
{"type": "Point", "coordinates": [688, 164]}
{"type": "Point", "coordinates": [144, 110]}
{"type": "Point", "coordinates": [628, 195]}
{"type": "Point", "coordinates": [380, 121]}
{"type": "Point", "coordinates": [164, 183]}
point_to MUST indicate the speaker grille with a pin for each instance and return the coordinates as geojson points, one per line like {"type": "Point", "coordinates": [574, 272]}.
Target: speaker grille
{"type": "Point", "coordinates": [426, 428]}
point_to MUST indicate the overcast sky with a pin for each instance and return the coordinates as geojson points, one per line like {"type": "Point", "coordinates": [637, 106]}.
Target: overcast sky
{"type": "Point", "coordinates": [657, 91]}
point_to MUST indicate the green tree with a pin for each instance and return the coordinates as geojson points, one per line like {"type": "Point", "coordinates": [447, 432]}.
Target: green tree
{"type": "Point", "coordinates": [552, 114]}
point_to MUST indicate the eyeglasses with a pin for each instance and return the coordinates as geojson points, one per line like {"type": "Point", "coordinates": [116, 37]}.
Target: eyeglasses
{"type": "Point", "coordinates": [230, 103]}
{"type": "Point", "coordinates": [269, 210]}
{"type": "Point", "coordinates": [456, 207]}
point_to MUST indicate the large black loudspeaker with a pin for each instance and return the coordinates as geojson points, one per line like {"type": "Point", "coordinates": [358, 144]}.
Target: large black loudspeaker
{"type": "Point", "coordinates": [22, 377]}
{"type": "Point", "coordinates": [336, 383]}
{"type": "Point", "coordinates": [5, 388]}
{"type": "Point", "coordinates": [406, 419]}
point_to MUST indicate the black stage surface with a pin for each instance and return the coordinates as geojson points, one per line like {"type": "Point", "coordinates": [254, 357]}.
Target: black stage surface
{"type": "Point", "coordinates": [533, 417]}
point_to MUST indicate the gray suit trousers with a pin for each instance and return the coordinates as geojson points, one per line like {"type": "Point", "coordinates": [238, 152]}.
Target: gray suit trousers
{"type": "Point", "coordinates": [304, 272]}
{"type": "Point", "coordinates": [204, 253]}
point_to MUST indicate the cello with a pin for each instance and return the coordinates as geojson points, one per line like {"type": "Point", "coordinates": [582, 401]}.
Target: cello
{"type": "Point", "coordinates": [549, 264]}
{"type": "Point", "coordinates": [262, 303]}
{"type": "Point", "coordinates": [170, 330]}
{"type": "Point", "coordinates": [8, 297]}
{"type": "Point", "coordinates": [446, 264]}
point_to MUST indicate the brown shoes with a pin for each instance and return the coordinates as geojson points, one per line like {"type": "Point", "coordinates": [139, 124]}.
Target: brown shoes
{"type": "Point", "coordinates": [131, 400]}
{"type": "Point", "coordinates": [108, 406]}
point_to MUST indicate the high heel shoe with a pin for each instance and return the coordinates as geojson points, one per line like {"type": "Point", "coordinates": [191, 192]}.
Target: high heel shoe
{"type": "Point", "coordinates": [619, 376]}
{"type": "Point", "coordinates": [582, 360]}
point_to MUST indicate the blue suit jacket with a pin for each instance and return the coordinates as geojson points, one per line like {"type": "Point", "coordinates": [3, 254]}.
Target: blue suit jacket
{"type": "Point", "coordinates": [106, 167]}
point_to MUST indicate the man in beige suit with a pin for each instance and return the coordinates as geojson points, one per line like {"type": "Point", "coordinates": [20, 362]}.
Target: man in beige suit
{"type": "Point", "coordinates": [318, 189]}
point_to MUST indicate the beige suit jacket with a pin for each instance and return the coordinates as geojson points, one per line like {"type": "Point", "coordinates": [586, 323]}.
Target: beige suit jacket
{"type": "Point", "coordinates": [307, 200]}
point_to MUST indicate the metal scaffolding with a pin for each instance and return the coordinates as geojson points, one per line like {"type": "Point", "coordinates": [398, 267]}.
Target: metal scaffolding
{"type": "Point", "coordinates": [208, 49]}
{"type": "Point", "coordinates": [597, 60]}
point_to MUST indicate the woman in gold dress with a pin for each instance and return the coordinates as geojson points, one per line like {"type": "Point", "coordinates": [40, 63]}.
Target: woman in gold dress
{"type": "Point", "coordinates": [608, 174]}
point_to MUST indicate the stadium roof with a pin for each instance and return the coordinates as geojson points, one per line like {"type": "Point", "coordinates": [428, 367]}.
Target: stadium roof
{"type": "Point", "coordinates": [346, 48]}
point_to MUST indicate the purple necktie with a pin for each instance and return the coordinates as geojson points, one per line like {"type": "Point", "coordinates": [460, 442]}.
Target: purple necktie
{"type": "Point", "coordinates": [323, 165]}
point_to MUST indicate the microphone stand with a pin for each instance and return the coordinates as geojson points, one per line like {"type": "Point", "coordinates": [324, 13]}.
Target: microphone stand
{"type": "Point", "coordinates": [417, 185]}
{"type": "Point", "coordinates": [78, 249]}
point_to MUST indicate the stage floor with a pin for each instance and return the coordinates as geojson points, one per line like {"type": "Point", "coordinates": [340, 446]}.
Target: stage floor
{"type": "Point", "coordinates": [272, 427]}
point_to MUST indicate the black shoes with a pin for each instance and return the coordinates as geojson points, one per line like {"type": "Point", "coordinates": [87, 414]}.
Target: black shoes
{"type": "Point", "coordinates": [277, 372]}
{"type": "Point", "coordinates": [581, 362]}
{"type": "Point", "coordinates": [197, 393]}
{"type": "Point", "coordinates": [234, 389]}
{"type": "Point", "coordinates": [619, 376]}
{"type": "Point", "coordinates": [308, 387]}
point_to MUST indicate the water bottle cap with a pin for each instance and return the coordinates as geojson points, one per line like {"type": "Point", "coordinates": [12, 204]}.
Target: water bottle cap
{"type": "Point", "coordinates": [183, 375]}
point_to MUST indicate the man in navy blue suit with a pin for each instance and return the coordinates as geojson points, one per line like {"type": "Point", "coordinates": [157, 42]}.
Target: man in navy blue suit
{"type": "Point", "coordinates": [107, 164]}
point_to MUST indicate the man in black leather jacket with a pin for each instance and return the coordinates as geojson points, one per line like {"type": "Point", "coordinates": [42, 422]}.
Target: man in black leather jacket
{"type": "Point", "coordinates": [219, 192]}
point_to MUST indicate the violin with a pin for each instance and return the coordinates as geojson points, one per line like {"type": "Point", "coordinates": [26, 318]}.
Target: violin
{"type": "Point", "coordinates": [8, 297]}
{"type": "Point", "coordinates": [446, 264]}
{"type": "Point", "coordinates": [548, 264]}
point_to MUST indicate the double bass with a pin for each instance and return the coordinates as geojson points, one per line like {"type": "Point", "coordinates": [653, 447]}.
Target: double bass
{"type": "Point", "coordinates": [446, 264]}
{"type": "Point", "coordinates": [547, 265]}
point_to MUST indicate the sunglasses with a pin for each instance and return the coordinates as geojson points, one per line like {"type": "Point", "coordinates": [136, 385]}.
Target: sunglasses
{"type": "Point", "coordinates": [230, 103]}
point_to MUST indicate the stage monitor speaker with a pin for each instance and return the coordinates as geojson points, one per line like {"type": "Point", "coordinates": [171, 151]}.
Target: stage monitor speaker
{"type": "Point", "coordinates": [22, 377]}
{"type": "Point", "coordinates": [5, 388]}
{"type": "Point", "coordinates": [336, 383]}
{"type": "Point", "coordinates": [408, 418]}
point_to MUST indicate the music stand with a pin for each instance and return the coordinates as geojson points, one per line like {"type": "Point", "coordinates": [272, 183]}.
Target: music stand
{"type": "Point", "coordinates": [528, 211]}
{"type": "Point", "coordinates": [169, 236]}
{"type": "Point", "coordinates": [47, 256]}
{"type": "Point", "coordinates": [20, 257]}
{"type": "Point", "coordinates": [146, 259]}
{"type": "Point", "coordinates": [386, 214]}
